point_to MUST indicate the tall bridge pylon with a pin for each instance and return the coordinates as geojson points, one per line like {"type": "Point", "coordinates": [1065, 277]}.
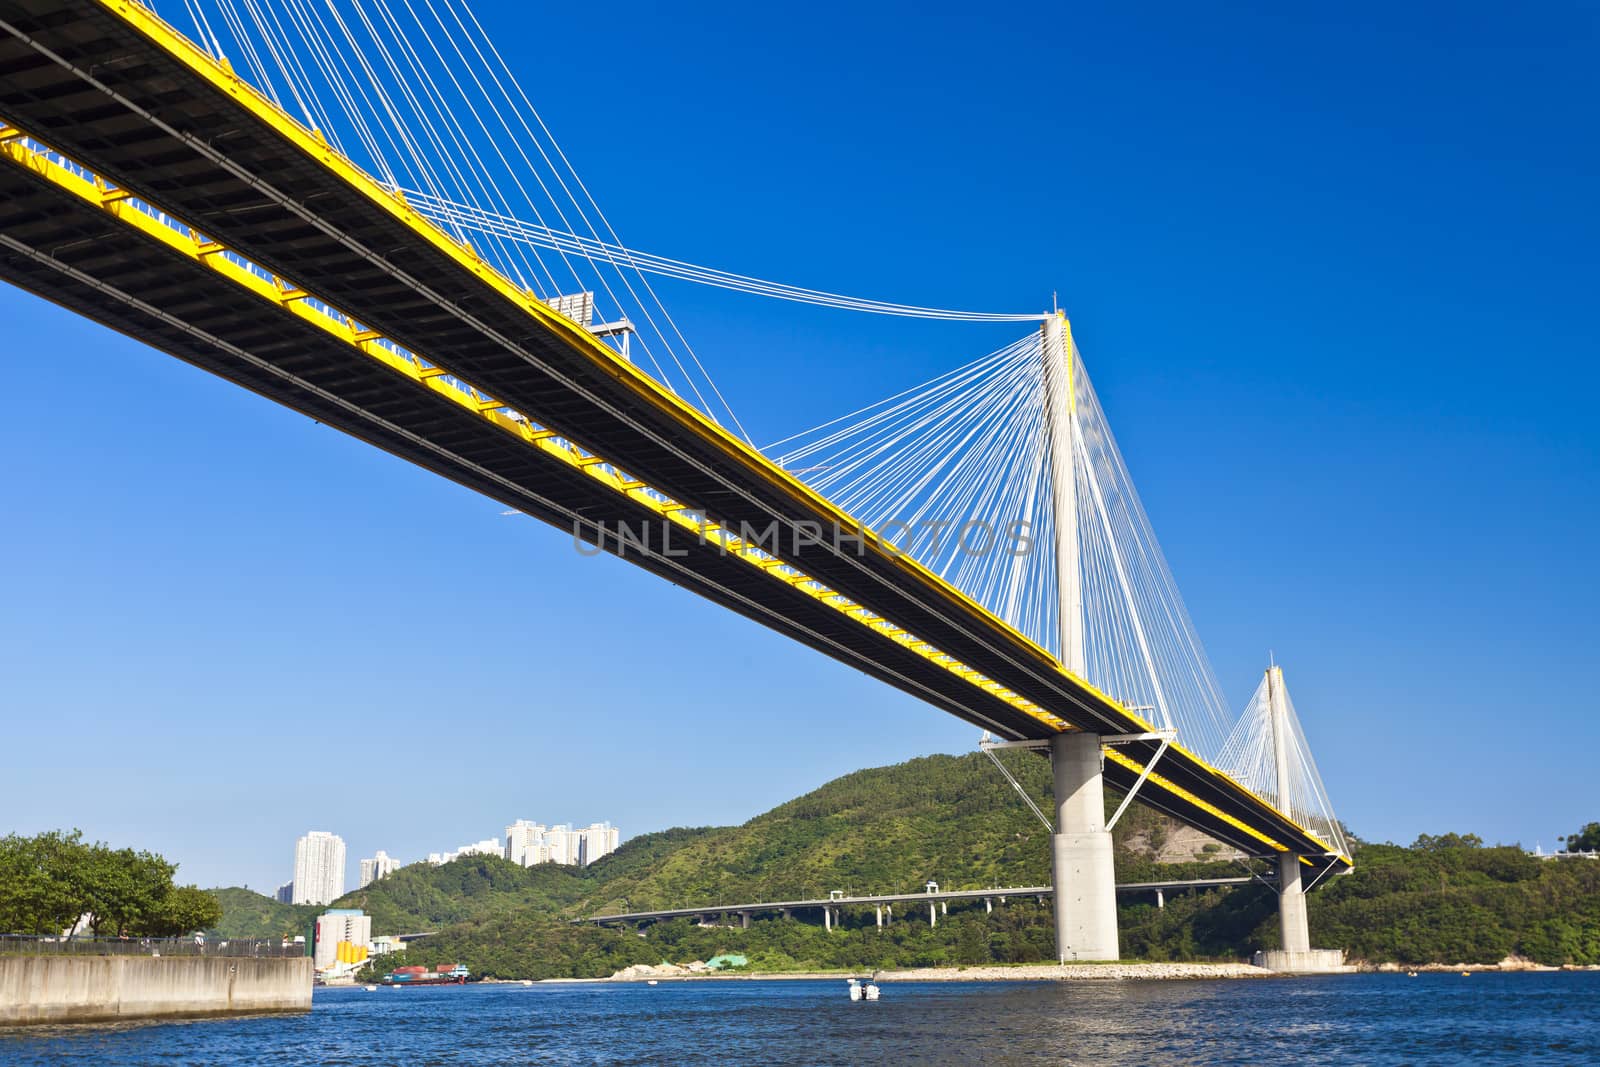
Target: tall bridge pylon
{"type": "Point", "coordinates": [1082, 867]}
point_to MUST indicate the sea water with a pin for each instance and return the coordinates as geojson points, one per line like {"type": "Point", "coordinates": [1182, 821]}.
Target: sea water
{"type": "Point", "coordinates": [1364, 1019]}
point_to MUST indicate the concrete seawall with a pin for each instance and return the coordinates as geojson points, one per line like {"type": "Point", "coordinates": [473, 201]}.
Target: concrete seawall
{"type": "Point", "coordinates": [70, 989]}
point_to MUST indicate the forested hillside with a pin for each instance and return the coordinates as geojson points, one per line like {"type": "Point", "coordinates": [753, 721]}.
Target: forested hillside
{"type": "Point", "coordinates": [889, 829]}
{"type": "Point", "coordinates": [956, 820]}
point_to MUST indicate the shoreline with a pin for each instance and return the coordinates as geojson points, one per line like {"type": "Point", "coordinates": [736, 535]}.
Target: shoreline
{"type": "Point", "coordinates": [1037, 972]}
{"type": "Point", "coordinates": [1148, 971]}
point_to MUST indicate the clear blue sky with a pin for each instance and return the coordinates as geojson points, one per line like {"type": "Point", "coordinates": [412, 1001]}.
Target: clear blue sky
{"type": "Point", "coordinates": [1335, 274]}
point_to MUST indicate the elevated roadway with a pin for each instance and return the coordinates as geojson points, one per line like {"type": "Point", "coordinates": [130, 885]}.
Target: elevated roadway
{"type": "Point", "coordinates": [942, 896]}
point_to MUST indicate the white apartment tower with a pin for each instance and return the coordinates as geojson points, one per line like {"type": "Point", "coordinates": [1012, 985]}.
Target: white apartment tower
{"type": "Point", "coordinates": [528, 843]}
{"type": "Point", "coordinates": [379, 866]}
{"type": "Point", "coordinates": [596, 840]}
{"type": "Point", "coordinates": [318, 868]}
{"type": "Point", "coordinates": [525, 843]}
{"type": "Point", "coordinates": [566, 844]}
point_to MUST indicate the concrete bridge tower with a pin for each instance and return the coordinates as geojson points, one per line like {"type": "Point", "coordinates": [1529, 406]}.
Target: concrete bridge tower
{"type": "Point", "coordinates": [1293, 925]}
{"type": "Point", "coordinates": [1085, 880]}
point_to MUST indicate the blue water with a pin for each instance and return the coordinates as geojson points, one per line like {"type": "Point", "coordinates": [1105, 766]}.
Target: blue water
{"type": "Point", "coordinates": [1365, 1019]}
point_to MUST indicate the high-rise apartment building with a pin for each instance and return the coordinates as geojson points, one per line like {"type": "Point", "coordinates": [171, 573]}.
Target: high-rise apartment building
{"type": "Point", "coordinates": [596, 840]}
{"type": "Point", "coordinates": [565, 844]}
{"type": "Point", "coordinates": [525, 841]}
{"type": "Point", "coordinates": [318, 868]}
{"type": "Point", "coordinates": [528, 843]}
{"type": "Point", "coordinates": [378, 866]}
{"type": "Point", "coordinates": [285, 893]}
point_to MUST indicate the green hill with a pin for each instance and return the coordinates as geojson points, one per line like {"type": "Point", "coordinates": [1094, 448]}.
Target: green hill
{"type": "Point", "coordinates": [953, 819]}
{"type": "Point", "coordinates": [957, 821]}
{"type": "Point", "coordinates": [249, 914]}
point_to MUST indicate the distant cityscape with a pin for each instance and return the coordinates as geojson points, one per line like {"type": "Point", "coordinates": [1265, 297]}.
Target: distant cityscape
{"type": "Point", "coordinates": [319, 856]}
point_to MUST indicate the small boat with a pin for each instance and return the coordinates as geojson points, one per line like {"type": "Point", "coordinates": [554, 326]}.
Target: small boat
{"type": "Point", "coordinates": [862, 989]}
{"type": "Point", "coordinates": [527, 981]}
{"type": "Point", "coordinates": [1411, 974]}
{"type": "Point", "coordinates": [651, 981]}
{"type": "Point", "coordinates": [372, 989]}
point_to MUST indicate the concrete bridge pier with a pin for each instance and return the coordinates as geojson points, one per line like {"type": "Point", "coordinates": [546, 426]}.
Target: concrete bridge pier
{"type": "Point", "coordinates": [744, 919]}
{"type": "Point", "coordinates": [1292, 922]}
{"type": "Point", "coordinates": [1085, 880]}
{"type": "Point", "coordinates": [879, 911]}
{"type": "Point", "coordinates": [827, 917]}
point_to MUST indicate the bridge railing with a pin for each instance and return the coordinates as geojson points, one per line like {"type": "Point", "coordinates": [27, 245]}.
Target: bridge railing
{"type": "Point", "coordinates": [31, 945]}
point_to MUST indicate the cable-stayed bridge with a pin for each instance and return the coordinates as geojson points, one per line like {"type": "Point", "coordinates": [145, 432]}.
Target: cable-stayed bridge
{"type": "Point", "coordinates": [352, 208]}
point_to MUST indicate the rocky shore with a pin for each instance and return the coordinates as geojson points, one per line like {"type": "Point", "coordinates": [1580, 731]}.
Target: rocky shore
{"type": "Point", "coordinates": [1047, 972]}
{"type": "Point", "coordinates": [1510, 963]}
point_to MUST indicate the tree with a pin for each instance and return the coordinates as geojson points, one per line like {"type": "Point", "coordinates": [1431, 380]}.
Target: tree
{"type": "Point", "coordinates": [1585, 840]}
{"type": "Point", "coordinates": [41, 881]}
{"type": "Point", "coordinates": [183, 910]}
{"type": "Point", "coordinates": [124, 888]}
{"type": "Point", "coordinates": [1429, 843]}
{"type": "Point", "coordinates": [973, 944]}
{"type": "Point", "coordinates": [49, 881]}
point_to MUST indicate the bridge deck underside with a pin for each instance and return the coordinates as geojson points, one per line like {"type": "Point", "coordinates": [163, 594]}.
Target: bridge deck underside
{"type": "Point", "coordinates": [89, 82]}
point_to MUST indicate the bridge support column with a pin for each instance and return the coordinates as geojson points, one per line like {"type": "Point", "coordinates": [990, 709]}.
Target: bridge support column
{"type": "Point", "coordinates": [744, 919]}
{"type": "Point", "coordinates": [933, 914]}
{"type": "Point", "coordinates": [1292, 922]}
{"type": "Point", "coordinates": [988, 906]}
{"type": "Point", "coordinates": [879, 910]}
{"type": "Point", "coordinates": [827, 917]}
{"type": "Point", "coordinates": [1085, 880]}
{"type": "Point", "coordinates": [1161, 899]}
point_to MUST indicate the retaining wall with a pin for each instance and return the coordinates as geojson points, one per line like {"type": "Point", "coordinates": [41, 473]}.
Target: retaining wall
{"type": "Point", "coordinates": [64, 989]}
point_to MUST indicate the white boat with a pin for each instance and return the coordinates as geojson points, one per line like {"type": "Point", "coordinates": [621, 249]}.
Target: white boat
{"type": "Point", "coordinates": [372, 989]}
{"type": "Point", "coordinates": [871, 991]}
{"type": "Point", "coordinates": [855, 989]}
